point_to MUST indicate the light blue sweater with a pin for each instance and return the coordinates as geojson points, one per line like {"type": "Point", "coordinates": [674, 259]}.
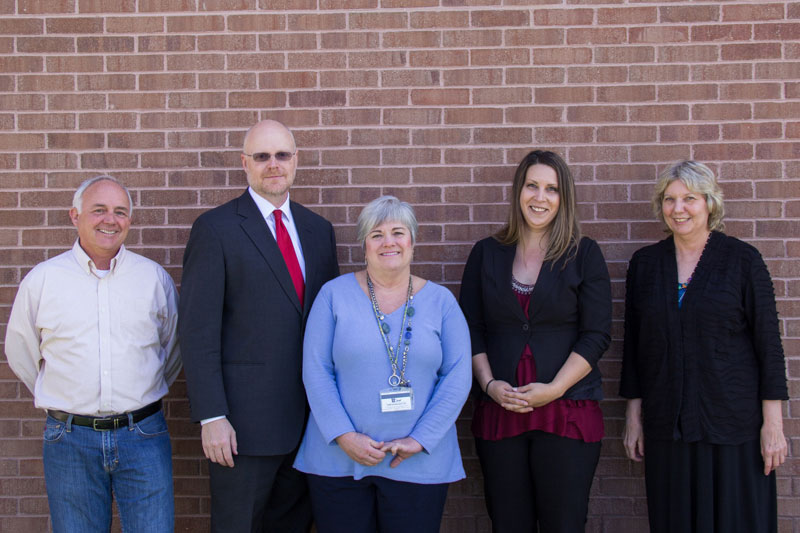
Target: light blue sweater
{"type": "Point", "coordinates": [345, 366]}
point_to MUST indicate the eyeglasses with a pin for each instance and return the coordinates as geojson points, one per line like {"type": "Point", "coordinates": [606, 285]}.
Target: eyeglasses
{"type": "Point", "coordinates": [263, 157]}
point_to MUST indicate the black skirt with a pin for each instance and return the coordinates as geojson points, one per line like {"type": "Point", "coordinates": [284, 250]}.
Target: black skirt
{"type": "Point", "coordinates": [703, 488]}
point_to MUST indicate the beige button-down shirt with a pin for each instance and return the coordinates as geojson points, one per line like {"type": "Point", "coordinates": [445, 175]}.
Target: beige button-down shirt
{"type": "Point", "coordinates": [94, 344]}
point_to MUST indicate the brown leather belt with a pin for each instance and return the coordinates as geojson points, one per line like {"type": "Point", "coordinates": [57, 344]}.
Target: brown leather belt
{"type": "Point", "coordinates": [106, 423]}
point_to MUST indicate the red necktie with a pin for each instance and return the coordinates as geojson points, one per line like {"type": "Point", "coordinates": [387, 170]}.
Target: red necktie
{"type": "Point", "coordinates": [287, 249]}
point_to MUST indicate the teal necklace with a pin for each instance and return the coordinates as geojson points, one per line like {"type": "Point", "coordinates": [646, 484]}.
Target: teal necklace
{"type": "Point", "coordinates": [403, 339]}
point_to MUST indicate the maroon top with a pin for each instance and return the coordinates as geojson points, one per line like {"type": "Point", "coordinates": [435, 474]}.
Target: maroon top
{"type": "Point", "coordinates": [575, 419]}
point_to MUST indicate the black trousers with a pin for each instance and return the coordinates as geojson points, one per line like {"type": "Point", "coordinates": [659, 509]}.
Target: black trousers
{"type": "Point", "coordinates": [372, 504]}
{"type": "Point", "coordinates": [537, 481]}
{"type": "Point", "coordinates": [701, 487]}
{"type": "Point", "coordinates": [259, 494]}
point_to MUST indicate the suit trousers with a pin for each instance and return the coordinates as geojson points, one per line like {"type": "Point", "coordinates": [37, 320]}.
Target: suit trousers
{"type": "Point", "coordinates": [537, 478]}
{"type": "Point", "coordinates": [259, 494]}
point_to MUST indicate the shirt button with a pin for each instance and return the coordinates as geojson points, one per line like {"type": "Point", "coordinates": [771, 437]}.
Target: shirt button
{"type": "Point", "coordinates": [525, 327]}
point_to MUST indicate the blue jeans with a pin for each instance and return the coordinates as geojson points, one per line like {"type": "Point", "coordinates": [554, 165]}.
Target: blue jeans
{"type": "Point", "coordinates": [83, 466]}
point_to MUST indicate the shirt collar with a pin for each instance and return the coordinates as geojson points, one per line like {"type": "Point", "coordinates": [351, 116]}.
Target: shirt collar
{"type": "Point", "coordinates": [266, 208]}
{"type": "Point", "coordinates": [86, 262]}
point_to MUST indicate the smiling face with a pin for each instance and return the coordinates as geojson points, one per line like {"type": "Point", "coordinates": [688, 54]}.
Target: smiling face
{"type": "Point", "coordinates": [539, 199]}
{"type": "Point", "coordinates": [103, 222]}
{"type": "Point", "coordinates": [685, 211]}
{"type": "Point", "coordinates": [270, 179]}
{"type": "Point", "coordinates": [388, 247]}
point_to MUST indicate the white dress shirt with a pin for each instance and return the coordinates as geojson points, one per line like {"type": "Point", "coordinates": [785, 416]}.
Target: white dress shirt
{"type": "Point", "coordinates": [93, 345]}
{"type": "Point", "coordinates": [266, 208]}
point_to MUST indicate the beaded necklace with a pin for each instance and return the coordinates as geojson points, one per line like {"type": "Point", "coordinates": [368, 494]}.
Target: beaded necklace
{"type": "Point", "coordinates": [403, 338]}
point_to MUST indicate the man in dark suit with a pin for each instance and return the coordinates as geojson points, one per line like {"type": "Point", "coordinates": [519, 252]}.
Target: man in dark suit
{"type": "Point", "coordinates": [251, 270]}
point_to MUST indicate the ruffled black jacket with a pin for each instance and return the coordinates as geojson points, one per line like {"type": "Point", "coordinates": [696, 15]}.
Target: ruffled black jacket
{"type": "Point", "coordinates": [570, 310]}
{"type": "Point", "coordinates": [702, 370]}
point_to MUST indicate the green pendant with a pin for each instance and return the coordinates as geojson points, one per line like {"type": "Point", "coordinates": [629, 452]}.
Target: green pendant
{"type": "Point", "coordinates": [385, 327]}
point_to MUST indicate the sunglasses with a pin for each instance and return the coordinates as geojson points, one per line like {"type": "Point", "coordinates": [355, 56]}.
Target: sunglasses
{"type": "Point", "coordinates": [263, 157]}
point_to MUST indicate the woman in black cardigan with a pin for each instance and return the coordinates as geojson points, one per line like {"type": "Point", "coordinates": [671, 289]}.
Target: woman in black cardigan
{"type": "Point", "coordinates": [537, 299]}
{"type": "Point", "coordinates": [703, 367]}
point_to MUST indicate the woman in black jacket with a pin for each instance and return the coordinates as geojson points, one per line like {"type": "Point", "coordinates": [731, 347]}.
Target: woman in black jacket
{"type": "Point", "coordinates": [703, 367]}
{"type": "Point", "coordinates": [537, 299]}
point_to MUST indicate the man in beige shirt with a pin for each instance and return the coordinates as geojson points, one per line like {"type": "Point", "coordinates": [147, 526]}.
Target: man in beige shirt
{"type": "Point", "coordinates": [92, 334]}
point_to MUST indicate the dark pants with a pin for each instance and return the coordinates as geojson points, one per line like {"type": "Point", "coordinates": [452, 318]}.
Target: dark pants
{"type": "Point", "coordinates": [259, 494]}
{"type": "Point", "coordinates": [702, 487]}
{"type": "Point", "coordinates": [371, 504]}
{"type": "Point", "coordinates": [537, 478]}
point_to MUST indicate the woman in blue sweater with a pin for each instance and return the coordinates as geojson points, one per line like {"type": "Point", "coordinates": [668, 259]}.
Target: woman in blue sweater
{"type": "Point", "coordinates": [386, 366]}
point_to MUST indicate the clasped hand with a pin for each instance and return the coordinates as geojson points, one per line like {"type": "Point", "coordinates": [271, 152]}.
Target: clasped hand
{"type": "Point", "coordinates": [522, 399]}
{"type": "Point", "coordinates": [368, 452]}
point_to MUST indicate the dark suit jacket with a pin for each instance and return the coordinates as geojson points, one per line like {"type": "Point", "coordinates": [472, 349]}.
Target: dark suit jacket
{"type": "Point", "coordinates": [702, 369]}
{"type": "Point", "coordinates": [241, 326]}
{"type": "Point", "coordinates": [570, 310]}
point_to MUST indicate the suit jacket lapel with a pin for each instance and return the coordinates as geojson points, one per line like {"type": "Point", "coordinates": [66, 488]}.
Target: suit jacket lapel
{"type": "Point", "coordinates": [256, 228]}
{"type": "Point", "coordinates": [503, 264]}
{"type": "Point", "coordinates": [548, 276]}
{"type": "Point", "coordinates": [310, 253]}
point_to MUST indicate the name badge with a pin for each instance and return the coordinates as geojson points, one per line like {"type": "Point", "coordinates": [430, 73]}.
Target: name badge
{"type": "Point", "coordinates": [397, 399]}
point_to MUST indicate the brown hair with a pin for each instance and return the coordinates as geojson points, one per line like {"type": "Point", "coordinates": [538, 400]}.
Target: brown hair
{"type": "Point", "coordinates": [564, 232]}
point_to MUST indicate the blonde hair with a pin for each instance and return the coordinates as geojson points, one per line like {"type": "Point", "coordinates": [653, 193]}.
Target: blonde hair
{"type": "Point", "coordinates": [698, 178]}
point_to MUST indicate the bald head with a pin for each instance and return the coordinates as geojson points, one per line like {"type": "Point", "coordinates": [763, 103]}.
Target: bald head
{"type": "Point", "coordinates": [268, 128]}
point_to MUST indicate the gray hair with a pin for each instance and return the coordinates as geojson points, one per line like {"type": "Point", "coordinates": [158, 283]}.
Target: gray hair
{"type": "Point", "coordinates": [77, 199]}
{"type": "Point", "coordinates": [383, 209]}
{"type": "Point", "coordinates": [698, 178]}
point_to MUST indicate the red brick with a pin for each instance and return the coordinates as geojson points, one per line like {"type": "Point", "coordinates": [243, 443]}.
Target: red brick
{"type": "Point", "coordinates": [107, 121]}
{"type": "Point", "coordinates": [108, 160]}
{"type": "Point", "coordinates": [55, 161]}
{"type": "Point", "coordinates": [68, 64]}
{"type": "Point", "coordinates": [595, 114]}
{"type": "Point", "coordinates": [537, 114]}
{"type": "Point", "coordinates": [46, 121]}
{"type": "Point", "coordinates": [373, 21]}
{"type": "Point", "coordinates": [723, 151]}
{"type": "Point", "coordinates": [135, 63]}
{"type": "Point", "coordinates": [564, 135]}
{"type": "Point", "coordinates": [100, 6]}
{"type": "Point", "coordinates": [43, 45]}
{"type": "Point", "coordinates": [683, 14]}
{"type": "Point", "coordinates": [558, 56]}
{"type": "Point", "coordinates": [352, 4]}
{"type": "Point", "coordinates": [410, 156]}
{"type": "Point", "coordinates": [227, 5]}
{"type": "Point", "coordinates": [435, 97]}
{"type": "Point", "coordinates": [196, 62]}
{"type": "Point", "coordinates": [440, 136]}
{"type": "Point", "coordinates": [286, 5]}
{"type": "Point", "coordinates": [569, 95]}
{"type": "Point", "coordinates": [495, 96]}
{"type": "Point", "coordinates": [105, 45]}
{"type": "Point", "coordinates": [602, 74]}
{"type": "Point", "coordinates": [44, 83]}
{"type": "Point", "coordinates": [778, 71]}
{"type": "Point", "coordinates": [627, 15]}
{"type": "Point", "coordinates": [751, 12]}
{"type": "Point", "coordinates": [187, 139]}
{"type": "Point", "coordinates": [593, 154]}
{"type": "Point", "coordinates": [689, 132]}
{"type": "Point", "coordinates": [658, 73]}
{"type": "Point", "coordinates": [317, 60]}
{"type": "Point", "coordinates": [563, 17]}
{"type": "Point", "coordinates": [257, 22]}
{"type": "Point", "coordinates": [134, 24]}
{"type": "Point", "coordinates": [412, 78]}
{"type": "Point", "coordinates": [136, 101]}
{"type": "Point", "coordinates": [535, 76]}
{"type": "Point", "coordinates": [316, 99]}
{"type": "Point", "coordinates": [629, 134]}
{"type": "Point", "coordinates": [349, 40]}
{"type": "Point", "coordinates": [379, 97]}
{"type": "Point", "coordinates": [439, 19]}
{"type": "Point", "coordinates": [167, 43]}
{"type": "Point", "coordinates": [412, 39]}
{"type": "Point", "coordinates": [286, 80]}
{"type": "Point", "coordinates": [721, 32]}
{"type": "Point", "coordinates": [750, 91]}
{"type": "Point", "coordinates": [786, 150]}
{"type": "Point", "coordinates": [695, 53]}
{"type": "Point", "coordinates": [472, 115]}
{"type": "Point", "coordinates": [503, 136]}
{"type": "Point", "coordinates": [659, 113]}
{"type": "Point", "coordinates": [624, 54]}
{"type": "Point", "coordinates": [721, 111]}
{"type": "Point", "coordinates": [194, 100]}
{"type": "Point", "coordinates": [168, 120]}
{"type": "Point", "coordinates": [317, 22]}
{"type": "Point", "coordinates": [535, 37]}
{"type": "Point", "coordinates": [439, 58]}
{"type": "Point", "coordinates": [629, 93]}
{"type": "Point", "coordinates": [45, 6]}
{"type": "Point", "coordinates": [69, 102]}
{"type": "Point", "coordinates": [659, 34]}
{"type": "Point", "coordinates": [107, 82]}
{"type": "Point", "coordinates": [749, 52]}
{"type": "Point", "coordinates": [136, 140]}
{"type": "Point", "coordinates": [223, 119]}
{"type": "Point", "coordinates": [196, 23]}
{"type": "Point", "coordinates": [22, 26]}
{"type": "Point", "coordinates": [21, 64]}
{"type": "Point", "coordinates": [75, 141]}
{"type": "Point", "coordinates": [471, 38]}
{"type": "Point", "coordinates": [729, 71]}
{"type": "Point", "coordinates": [347, 116]}
{"type": "Point", "coordinates": [596, 36]}
{"type": "Point", "coordinates": [780, 32]}
{"type": "Point", "coordinates": [376, 59]}
{"type": "Point", "coordinates": [231, 81]}
{"type": "Point", "coordinates": [662, 153]}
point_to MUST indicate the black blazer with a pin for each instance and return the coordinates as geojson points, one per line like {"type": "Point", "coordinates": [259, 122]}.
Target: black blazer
{"type": "Point", "coordinates": [570, 310]}
{"type": "Point", "coordinates": [702, 370]}
{"type": "Point", "coordinates": [240, 322]}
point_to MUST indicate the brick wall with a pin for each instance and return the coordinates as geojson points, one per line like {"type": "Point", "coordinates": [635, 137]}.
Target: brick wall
{"type": "Point", "coordinates": [432, 100]}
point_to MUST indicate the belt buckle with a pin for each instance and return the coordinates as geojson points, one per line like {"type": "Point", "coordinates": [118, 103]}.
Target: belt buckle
{"type": "Point", "coordinates": [114, 421]}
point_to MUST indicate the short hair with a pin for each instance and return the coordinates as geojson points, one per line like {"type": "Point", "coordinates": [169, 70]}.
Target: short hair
{"type": "Point", "coordinates": [77, 198]}
{"type": "Point", "coordinates": [565, 229]}
{"type": "Point", "coordinates": [383, 209]}
{"type": "Point", "coordinates": [698, 178]}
